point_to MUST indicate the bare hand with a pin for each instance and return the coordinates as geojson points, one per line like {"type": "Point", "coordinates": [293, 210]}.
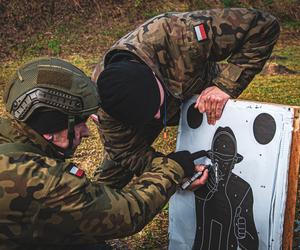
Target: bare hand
{"type": "Point", "coordinates": [212, 101]}
{"type": "Point", "coordinates": [200, 181]}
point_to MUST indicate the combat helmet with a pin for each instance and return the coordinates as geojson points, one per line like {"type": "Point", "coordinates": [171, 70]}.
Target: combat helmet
{"type": "Point", "coordinates": [51, 84]}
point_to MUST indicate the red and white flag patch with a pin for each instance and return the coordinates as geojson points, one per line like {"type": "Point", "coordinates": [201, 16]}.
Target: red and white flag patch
{"type": "Point", "coordinates": [74, 170]}
{"type": "Point", "coordinates": [200, 32]}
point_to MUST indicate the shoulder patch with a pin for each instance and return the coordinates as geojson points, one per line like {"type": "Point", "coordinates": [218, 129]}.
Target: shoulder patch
{"type": "Point", "coordinates": [200, 32]}
{"type": "Point", "coordinates": [74, 170]}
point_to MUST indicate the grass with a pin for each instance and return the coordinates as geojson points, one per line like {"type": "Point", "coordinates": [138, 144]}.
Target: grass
{"type": "Point", "coordinates": [291, 57]}
{"type": "Point", "coordinates": [274, 89]}
{"type": "Point", "coordinates": [294, 24]}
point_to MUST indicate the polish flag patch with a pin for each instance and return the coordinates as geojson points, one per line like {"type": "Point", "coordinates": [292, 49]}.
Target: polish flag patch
{"type": "Point", "coordinates": [200, 32]}
{"type": "Point", "coordinates": [74, 170]}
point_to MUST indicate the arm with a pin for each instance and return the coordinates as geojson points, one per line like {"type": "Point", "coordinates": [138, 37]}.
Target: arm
{"type": "Point", "coordinates": [128, 151]}
{"type": "Point", "coordinates": [246, 38]}
{"type": "Point", "coordinates": [80, 211]}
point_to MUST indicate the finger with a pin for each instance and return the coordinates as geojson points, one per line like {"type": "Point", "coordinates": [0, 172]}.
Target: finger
{"type": "Point", "coordinates": [221, 105]}
{"type": "Point", "coordinates": [207, 103]}
{"type": "Point", "coordinates": [208, 118]}
{"type": "Point", "coordinates": [200, 181]}
{"type": "Point", "coordinates": [205, 175]}
{"type": "Point", "coordinates": [196, 184]}
{"type": "Point", "coordinates": [95, 118]}
{"type": "Point", "coordinates": [198, 104]}
{"type": "Point", "coordinates": [213, 108]}
{"type": "Point", "coordinates": [208, 112]}
{"type": "Point", "coordinates": [212, 120]}
{"type": "Point", "coordinates": [199, 168]}
{"type": "Point", "coordinates": [210, 108]}
{"type": "Point", "coordinates": [201, 105]}
{"type": "Point", "coordinates": [219, 109]}
{"type": "Point", "coordinates": [200, 97]}
{"type": "Point", "coordinates": [197, 101]}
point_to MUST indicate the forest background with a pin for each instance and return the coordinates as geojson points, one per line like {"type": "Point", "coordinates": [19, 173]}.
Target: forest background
{"type": "Point", "coordinates": [80, 31]}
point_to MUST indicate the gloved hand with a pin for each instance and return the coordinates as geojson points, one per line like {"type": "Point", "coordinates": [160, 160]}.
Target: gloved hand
{"type": "Point", "coordinates": [185, 160]}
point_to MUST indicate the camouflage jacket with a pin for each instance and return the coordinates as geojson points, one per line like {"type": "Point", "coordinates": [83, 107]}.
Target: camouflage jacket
{"type": "Point", "coordinates": [46, 205]}
{"type": "Point", "coordinates": [182, 50]}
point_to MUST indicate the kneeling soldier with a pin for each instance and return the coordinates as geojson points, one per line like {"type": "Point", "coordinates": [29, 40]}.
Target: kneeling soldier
{"type": "Point", "coordinates": [48, 203]}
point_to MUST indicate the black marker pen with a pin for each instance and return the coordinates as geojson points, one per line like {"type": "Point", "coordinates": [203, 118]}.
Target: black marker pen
{"type": "Point", "coordinates": [186, 184]}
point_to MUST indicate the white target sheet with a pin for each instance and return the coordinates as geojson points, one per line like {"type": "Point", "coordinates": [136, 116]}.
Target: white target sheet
{"type": "Point", "coordinates": [242, 205]}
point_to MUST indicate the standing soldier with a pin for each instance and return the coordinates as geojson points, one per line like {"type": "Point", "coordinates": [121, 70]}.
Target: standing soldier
{"type": "Point", "coordinates": [147, 74]}
{"type": "Point", "coordinates": [48, 203]}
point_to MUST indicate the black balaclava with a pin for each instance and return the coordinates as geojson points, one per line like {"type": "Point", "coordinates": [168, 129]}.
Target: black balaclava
{"type": "Point", "coordinates": [48, 122]}
{"type": "Point", "coordinates": [129, 92]}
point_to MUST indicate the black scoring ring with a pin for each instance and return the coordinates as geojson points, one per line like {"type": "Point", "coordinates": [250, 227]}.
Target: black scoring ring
{"type": "Point", "coordinates": [194, 117]}
{"type": "Point", "coordinates": [264, 128]}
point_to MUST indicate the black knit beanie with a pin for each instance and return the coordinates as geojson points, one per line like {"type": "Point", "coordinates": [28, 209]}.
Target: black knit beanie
{"type": "Point", "coordinates": [128, 92]}
{"type": "Point", "coordinates": [47, 122]}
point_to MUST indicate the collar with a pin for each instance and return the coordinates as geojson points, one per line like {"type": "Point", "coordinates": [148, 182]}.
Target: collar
{"type": "Point", "coordinates": [12, 131]}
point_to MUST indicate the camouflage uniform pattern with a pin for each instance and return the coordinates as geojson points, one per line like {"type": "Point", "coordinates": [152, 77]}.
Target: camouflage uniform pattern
{"type": "Point", "coordinates": [168, 45]}
{"type": "Point", "coordinates": [43, 206]}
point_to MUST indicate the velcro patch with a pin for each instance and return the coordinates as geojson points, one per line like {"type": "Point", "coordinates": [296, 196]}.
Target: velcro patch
{"type": "Point", "coordinates": [74, 170]}
{"type": "Point", "coordinates": [55, 77]}
{"type": "Point", "coordinates": [200, 32]}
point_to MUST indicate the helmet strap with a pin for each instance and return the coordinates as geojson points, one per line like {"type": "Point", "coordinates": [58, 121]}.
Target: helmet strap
{"type": "Point", "coordinates": [71, 135]}
{"type": "Point", "coordinates": [69, 151]}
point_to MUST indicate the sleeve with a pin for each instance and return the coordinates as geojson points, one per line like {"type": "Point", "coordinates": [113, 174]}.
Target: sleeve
{"type": "Point", "coordinates": [78, 211]}
{"type": "Point", "coordinates": [127, 150]}
{"type": "Point", "coordinates": [245, 38]}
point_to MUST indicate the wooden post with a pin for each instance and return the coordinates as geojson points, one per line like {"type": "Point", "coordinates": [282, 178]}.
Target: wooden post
{"type": "Point", "coordinates": [289, 217]}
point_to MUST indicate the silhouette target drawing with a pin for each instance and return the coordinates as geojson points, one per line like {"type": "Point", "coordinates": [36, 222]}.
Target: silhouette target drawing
{"type": "Point", "coordinates": [243, 202]}
{"type": "Point", "coordinates": [224, 207]}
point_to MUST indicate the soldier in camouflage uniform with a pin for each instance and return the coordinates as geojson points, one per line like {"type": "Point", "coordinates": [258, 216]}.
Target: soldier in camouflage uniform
{"type": "Point", "coordinates": [48, 203]}
{"type": "Point", "coordinates": [182, 50]}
